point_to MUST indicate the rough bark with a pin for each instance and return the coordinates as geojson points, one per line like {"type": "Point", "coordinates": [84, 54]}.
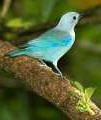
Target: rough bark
{"type": "Point", "coordinates": [46, 83]}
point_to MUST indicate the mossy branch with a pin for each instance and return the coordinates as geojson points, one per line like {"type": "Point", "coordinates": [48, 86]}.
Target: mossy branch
{"type": "Point", "coordinates": [42, 80]}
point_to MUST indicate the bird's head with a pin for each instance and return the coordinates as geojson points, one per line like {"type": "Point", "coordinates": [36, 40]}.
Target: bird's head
{"type": "Point", "coordinates": [68, 21]}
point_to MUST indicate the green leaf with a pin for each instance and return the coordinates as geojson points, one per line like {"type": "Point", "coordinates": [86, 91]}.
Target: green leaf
{"type": "Point", "coordinates": [88, 93]}
{"type": "Point", "coordinates": [18, 23]}
{"type": "Point", "coordinates": [79, 86]}
{"type": "Point", "coordinates": [82, 106]}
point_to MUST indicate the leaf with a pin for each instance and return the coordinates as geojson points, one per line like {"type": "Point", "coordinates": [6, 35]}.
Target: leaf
{"type": "Point", "coordinates": [18, 23]}
{"type": "Point", "coordinates": [79, 86]}
{"type": "Point", "coordinates": [15, 23]}
{"type": "Point", "coordinates": [82, 106]}
{"type": "Point", "coordinates": [89, 92]}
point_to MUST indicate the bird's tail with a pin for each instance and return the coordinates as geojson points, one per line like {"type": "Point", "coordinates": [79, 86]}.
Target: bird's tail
{"type": "Point", "coordinates": [15, 53]}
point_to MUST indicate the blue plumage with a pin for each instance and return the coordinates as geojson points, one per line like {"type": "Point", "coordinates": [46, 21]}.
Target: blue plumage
{"type": "Point", "coordinates": [50, 46]}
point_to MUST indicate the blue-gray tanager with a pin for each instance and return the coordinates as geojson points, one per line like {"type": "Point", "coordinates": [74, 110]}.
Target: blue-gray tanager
{"type": "Point", "coordinates": [54, 43]}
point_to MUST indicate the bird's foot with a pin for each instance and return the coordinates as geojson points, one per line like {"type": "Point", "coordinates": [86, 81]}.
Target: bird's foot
{"type": "Point", "coordinates": [62, 77]}
{"type": "Point", "coordinates": [59, 75]}
{"type": "Point", "coordinates": [42, 62]}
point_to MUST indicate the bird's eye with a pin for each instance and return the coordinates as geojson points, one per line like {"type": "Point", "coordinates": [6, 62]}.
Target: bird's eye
{"type": "Point", "coordinates": [74, 17]}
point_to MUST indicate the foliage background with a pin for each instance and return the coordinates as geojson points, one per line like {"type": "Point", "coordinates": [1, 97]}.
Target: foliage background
{"type": "Point", "coordinates": [82, 63]}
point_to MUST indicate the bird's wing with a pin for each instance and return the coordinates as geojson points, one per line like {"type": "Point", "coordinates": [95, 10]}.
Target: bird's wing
{"type": "Point", "coordinates": [47, 44]}
{"type": "Point", "coordinates": [50, 39]}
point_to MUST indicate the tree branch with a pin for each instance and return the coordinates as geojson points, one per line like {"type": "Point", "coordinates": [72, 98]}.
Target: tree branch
{"type": "Point", "coordinates": [47, 84]}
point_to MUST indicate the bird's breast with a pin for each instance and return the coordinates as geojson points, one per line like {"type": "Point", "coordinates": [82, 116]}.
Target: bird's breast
{"type": "Point", "coordinates": [68, 41]}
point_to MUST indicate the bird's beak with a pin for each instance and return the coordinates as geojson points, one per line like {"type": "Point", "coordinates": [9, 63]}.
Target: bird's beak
{"type": "Point", "coordinates": [82, 15]}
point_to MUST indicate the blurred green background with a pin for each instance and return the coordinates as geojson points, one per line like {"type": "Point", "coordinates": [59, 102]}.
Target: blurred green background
{"type": "Point", "coordinates": [82, 63]}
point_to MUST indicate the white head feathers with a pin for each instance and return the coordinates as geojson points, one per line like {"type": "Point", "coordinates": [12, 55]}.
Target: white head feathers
{"type": "Point", "coordinates": [68, 21]}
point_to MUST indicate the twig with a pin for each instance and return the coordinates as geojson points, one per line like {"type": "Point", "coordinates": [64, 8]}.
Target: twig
{"type": "Point", "coordinates": [5, 9]}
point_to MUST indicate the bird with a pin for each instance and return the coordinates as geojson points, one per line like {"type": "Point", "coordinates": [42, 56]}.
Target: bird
{"type": "Point", "coordinates": [52, 44]}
